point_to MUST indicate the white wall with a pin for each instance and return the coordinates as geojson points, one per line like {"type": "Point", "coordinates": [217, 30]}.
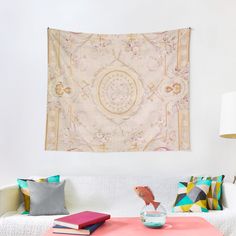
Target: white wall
{"type": "Point", "coordinates": [23, 83]}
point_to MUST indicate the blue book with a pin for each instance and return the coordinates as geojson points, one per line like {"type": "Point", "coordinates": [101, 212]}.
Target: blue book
{"type": "Point", "coordinates": [58, 229]}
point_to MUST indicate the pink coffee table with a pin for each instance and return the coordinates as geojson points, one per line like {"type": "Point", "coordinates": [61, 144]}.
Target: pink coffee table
{"type": "Point", "coordinates": [175, 226]}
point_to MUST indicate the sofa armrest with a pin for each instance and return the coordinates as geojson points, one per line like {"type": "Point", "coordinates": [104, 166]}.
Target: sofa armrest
{"type": "Point", "coordinates": [229, 195]}
{"type": "Point", "coordinates": [9, 198]}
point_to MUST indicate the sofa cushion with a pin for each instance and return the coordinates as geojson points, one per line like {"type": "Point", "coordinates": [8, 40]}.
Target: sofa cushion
{"type": "Point", "coordinates": [23, 185]}
{"type": "Point", "coordinates": [47, 198]}
{"type": "Point", "coordinates": [192, 197]}
{"type": "Point", "coordinates": [214, 196]}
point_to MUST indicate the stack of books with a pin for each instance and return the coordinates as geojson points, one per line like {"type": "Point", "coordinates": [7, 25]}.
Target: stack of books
{"type": "Point", "coordinates": [83, 223]}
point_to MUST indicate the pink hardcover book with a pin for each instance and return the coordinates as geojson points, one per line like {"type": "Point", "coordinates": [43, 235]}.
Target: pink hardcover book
{"type": "Point", "coordinates": [82, 219]}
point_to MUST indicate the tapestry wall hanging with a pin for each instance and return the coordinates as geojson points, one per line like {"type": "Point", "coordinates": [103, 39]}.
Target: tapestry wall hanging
{"type": "Point", "coordinates": [115, 93]}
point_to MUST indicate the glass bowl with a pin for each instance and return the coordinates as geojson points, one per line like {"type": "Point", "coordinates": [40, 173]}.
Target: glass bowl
{"type": "Point", "coordinates": [152, 218]}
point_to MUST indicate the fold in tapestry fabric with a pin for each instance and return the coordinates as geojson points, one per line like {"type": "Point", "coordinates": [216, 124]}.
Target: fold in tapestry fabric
{"type": "Point", "coordinates": [127, 92]}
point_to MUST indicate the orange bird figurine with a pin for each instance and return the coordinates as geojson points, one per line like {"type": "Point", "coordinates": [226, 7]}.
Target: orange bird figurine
{"type": "Point", "coordinates": [146, 194]}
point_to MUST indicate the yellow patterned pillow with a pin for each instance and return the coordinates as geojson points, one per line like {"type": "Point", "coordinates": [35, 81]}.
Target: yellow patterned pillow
{"type": "Point", "coordinates": [192, 197]}
{"type": "Point", "coordinates": [215, 192]}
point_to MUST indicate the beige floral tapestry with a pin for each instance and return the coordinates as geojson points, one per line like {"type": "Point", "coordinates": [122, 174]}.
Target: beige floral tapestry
{"type": "Point", "coordinates": [115, 93]}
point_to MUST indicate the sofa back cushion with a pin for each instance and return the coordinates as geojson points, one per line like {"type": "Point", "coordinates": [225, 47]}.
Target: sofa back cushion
{"type": "Point", "coordinates": [115, 194]}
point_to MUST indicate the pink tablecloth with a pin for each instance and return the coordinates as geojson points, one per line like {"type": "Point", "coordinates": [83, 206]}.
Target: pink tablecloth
{"type": "Point", "coordinates": [175, 226]}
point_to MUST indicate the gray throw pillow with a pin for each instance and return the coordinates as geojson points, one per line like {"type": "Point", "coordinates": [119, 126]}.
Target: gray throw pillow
{"type": "Point", "coordinates": [47, 198]}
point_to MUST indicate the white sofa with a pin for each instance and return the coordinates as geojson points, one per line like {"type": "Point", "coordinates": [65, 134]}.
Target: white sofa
{"type": "Point", "coordinates": [111, 194]}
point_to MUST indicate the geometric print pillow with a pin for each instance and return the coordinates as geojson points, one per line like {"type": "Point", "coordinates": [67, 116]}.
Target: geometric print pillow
{"type": "Point", "coordinates": [192, 197]}
{"type": "Point", "coordinates": [22, 183]}
{"type": "Point", "coordinates": [214, 196]}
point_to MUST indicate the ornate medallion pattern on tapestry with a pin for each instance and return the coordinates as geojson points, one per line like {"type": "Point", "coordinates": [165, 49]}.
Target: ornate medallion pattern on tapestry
{"type": "Point", "coordinates": [114, 93]}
